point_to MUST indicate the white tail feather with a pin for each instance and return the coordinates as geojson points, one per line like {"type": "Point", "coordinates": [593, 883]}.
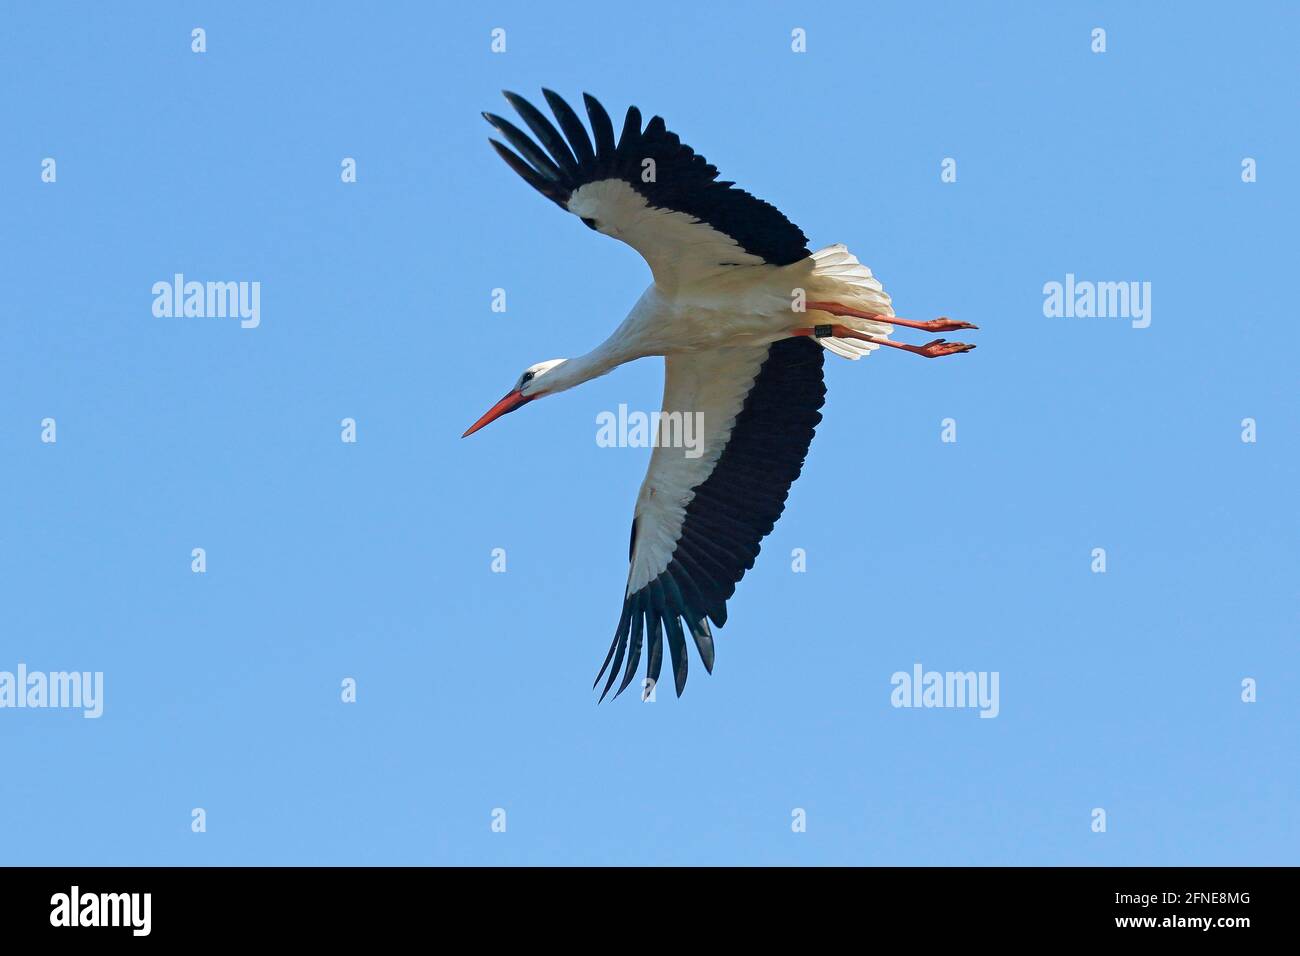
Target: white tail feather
{"type": "Point", "coordinates": [838, 276]}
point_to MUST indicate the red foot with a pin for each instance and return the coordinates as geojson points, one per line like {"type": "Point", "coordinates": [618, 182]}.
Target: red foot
{"type": "Point", "coordinates": [938, 348]}
{"type": "Point", "coordinates": [941, 324]}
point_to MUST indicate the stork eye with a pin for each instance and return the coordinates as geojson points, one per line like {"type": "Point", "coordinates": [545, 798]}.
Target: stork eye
{"type": "Point", "coordinates": [589, 223]}
{"type": "Point", "coordinates": [528, 377]}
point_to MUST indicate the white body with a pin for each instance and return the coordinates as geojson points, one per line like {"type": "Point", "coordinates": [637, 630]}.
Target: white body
{"type": "Point", "coordinates": [709, 293]}
{"type": "Point", "coordinates": [714, 327]}
{"type": "Point", "coordinates": [737, 307]}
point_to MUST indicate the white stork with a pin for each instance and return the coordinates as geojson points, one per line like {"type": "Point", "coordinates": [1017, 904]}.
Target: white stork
{"type": "Point", "coordinates": [730, 274]}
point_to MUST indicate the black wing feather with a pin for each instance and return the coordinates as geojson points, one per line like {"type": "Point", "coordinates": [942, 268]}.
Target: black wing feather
{"type": "Point", "coordinates": [620, 641]}
{"type": "Point", "coordinates": [631, 135]}
{"type": "Point", "coordinates": [574, 131]}
{"type": "Point", "coordinates": [684, 181]}
{"type": "Point", "coordinates": [602, 131]}
{"type": "Point", "coordinates": [526, 147]}
{"type": "Point", "coordinates": [548, 134]}
{"type": "Point", "coordinates": [547, 187]}
{"type": "Point", "coordinates": [634, 653]}
{"type": "Point", "coordinates": [655, 640]}
{"type": "Point", "coordinates": [734, 508]}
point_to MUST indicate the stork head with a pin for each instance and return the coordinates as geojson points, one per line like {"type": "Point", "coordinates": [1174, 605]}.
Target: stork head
{"type": "Point", "coordinates": [533, 383]}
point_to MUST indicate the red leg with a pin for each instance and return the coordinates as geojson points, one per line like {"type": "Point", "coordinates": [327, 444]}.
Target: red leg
{"type": "Point", "coordinates": [935, 349]}
{"type": "Point", "coordinates": [941, 324]}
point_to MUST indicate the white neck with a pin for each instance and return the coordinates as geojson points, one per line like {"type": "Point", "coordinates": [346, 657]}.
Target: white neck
{"type": "Point", "coordinates": [617, 350]}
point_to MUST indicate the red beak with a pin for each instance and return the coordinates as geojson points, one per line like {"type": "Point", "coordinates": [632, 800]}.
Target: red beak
{"type": "Point", "coordinates": [513, 399]}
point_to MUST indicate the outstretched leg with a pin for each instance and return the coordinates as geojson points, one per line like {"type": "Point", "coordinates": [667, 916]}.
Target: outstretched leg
{"type": "Point", "coordinates": [935, 349]}
{"type": "Point", "coordinates": [941, 324]}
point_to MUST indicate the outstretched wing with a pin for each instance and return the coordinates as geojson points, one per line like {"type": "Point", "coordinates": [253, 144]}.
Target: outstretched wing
{"type": "Point", "coordinates": [699, 520]}
{"type": "Point", "coordinates": [647, 189]}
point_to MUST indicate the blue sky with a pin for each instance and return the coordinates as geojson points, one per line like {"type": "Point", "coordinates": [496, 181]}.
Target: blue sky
{"type": "Point", "coordinates": [372, 560]}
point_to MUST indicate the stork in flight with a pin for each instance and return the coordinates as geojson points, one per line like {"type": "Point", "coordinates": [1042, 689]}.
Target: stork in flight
{"type": "Point", "coordinates": [731, 274]}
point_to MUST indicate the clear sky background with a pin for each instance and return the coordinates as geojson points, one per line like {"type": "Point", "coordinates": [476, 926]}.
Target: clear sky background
{"type": "Point", "coordinates": [372, 560]}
